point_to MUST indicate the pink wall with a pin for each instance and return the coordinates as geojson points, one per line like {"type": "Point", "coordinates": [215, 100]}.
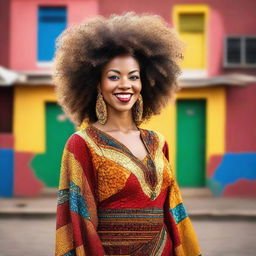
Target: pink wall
{"type": "Point", "coordinates": [23, 51]}
{"type": "Point", "coordinates": [5, 32]}
{"type": "Point", "coordinates": [223, 19]}
{"type": "Point", "coordinates": [229, 17]}
{"type": "Point", "coordinates": [31, 185]}
{"type": "Point", "coordinates": [241, 119]}
{"type": "Point", "coordinates": [161, 7]}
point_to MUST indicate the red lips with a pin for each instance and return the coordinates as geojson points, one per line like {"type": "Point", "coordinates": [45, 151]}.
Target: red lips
{"type": "Point", "coordinates": [123, 97]}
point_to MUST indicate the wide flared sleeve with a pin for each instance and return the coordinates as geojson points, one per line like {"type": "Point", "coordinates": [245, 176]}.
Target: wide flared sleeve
{"type": "Point", "coordinates": [180, 228]}
{"type": "Point", "coordinates": [76, 220]}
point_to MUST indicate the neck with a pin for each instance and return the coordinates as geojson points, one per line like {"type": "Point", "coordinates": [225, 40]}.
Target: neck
{"type": "Point", "coordinates": [120, 121]}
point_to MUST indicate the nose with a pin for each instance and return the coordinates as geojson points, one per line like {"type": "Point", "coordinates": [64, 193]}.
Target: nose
{"type": "Point", "coordinates": [125, 84]}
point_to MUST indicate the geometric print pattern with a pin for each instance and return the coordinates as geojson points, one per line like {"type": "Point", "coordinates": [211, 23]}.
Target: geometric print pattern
{"type": "Point", "coordinates": [76, 201]}
{"type": "Point", "coordinates": [104, 146]}
{"type": "Point", "coordinates": [179, 213]}
{"type": "Point", "coordinates": [128, 221]}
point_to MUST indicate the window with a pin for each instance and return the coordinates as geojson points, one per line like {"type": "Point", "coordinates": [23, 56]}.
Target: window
{"type": "Point", "coordinates": [191, 22]}
{"type": "Point", "coordinates": [51, 22]}
{"type": "Point", "coordinates": [192, 32]}
{"type": "Point", "coordinates": [240, 51]}
{"type": "Point", "coordinates": [250, 50]}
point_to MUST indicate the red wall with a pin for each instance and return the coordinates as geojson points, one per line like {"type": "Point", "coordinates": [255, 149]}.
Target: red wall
{"type": "Point", "coordinates": [23, 47]}
{"type": "Point", "coordinates": [5, 30]}
{"type": "Point", "coordinates": [241, 119]}
{"type": "Point", "coordinates": [229, 17]}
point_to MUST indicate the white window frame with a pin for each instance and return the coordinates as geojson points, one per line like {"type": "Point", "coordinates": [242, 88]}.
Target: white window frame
{"type": "Point", "coordinates": [242, 64]}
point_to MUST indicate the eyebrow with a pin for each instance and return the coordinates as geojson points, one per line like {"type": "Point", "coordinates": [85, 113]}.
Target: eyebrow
{"type": "Point", "coordinates": [118, 72]}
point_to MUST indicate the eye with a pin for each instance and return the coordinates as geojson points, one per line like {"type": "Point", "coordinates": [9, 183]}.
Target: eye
{"type": "Point", "coordinates": [113, 78]}
{"type": "Point", "coordinates": [134, 78]}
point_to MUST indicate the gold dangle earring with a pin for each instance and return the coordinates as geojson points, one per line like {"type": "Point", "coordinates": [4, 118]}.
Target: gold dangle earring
{"type": "Point", "coordinates": [101, 109]}
{"type": "Point", "coordinates": [138, 110]}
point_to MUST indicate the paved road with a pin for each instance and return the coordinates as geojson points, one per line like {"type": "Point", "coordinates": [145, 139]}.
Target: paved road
{"type": "Point", "coordinates": [35, 237]}
{"type": "Point", "coordinates": [227, 238]}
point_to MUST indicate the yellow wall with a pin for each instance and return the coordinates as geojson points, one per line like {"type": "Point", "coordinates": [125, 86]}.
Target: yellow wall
{"type": "Point", "coordinates": [215, 120]}
{"type": "Point", "coordinates": [29, 117]}
{"type": "Point", "coordinates": [195, 55]}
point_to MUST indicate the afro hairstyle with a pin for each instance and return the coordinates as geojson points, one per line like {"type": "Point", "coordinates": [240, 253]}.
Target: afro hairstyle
{"type": "Point", "coordinates": [84, 49]}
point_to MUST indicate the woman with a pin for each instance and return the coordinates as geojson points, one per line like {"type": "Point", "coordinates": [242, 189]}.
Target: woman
{"type": "Point", "coordinates": [117, 193]}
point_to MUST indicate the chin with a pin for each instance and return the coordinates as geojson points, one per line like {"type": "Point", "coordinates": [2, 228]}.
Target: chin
{"type": "Point", "coordinates": [122, 108]}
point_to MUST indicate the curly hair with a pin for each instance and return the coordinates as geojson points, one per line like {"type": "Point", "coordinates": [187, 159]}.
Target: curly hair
{"type": "Point", "coordinates": [83, 50]}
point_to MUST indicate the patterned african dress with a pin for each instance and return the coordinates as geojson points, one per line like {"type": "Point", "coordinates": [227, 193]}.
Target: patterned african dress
{"type": "Point", "coordinates": [112, 203]}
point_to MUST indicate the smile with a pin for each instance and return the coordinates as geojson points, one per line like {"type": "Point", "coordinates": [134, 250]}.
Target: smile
{"type": "Point", "coordinates": [123, 97]}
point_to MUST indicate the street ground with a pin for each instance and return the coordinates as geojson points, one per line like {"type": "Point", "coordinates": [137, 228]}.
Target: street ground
{"type": "Point", "coordinates": [225, 226]}
{"type": "Point", "coordinates": [27, 236]}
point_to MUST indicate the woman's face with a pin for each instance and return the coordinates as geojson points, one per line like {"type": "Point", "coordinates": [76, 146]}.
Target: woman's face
{"type": "Point", "coordinates": [120, 83]}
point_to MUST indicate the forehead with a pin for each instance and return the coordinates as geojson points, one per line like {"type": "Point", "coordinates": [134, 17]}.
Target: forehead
{"type": "Point", "coordinates": [124, 62]}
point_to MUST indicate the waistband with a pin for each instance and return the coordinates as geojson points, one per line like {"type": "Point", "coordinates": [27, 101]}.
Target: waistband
{"type": "Point", "coordinates": [153, 212]}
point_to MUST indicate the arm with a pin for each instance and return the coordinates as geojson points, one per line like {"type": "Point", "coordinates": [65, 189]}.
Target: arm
{"type": "Point", "coordinates": [176, 218]}
{"type": "Point", "coordinates": [76, 220]}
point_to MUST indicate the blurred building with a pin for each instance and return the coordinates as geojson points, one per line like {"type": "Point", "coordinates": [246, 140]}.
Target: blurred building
{"type": "Point", "coordinates": [210, 128]}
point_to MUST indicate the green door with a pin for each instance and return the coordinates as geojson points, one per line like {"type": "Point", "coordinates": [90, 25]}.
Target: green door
{"type": "Point", "coordinates": [190, 159]}
{"type": "Point", "coordinates": [58, 129]}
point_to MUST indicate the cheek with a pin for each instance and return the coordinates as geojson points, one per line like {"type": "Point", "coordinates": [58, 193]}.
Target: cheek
{"type": "Point", "coordinates": [107, 96]}
{"type": "Point", "coordinates": [138, 88]}
{"type": "Point", "coordinates": [106, 87]}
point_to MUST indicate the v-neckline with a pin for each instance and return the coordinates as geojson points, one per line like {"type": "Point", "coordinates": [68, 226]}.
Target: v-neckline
{"type": "Point", "coordinates": [146, 164]}
{"type": "Point", "coordinates": [125, 147]}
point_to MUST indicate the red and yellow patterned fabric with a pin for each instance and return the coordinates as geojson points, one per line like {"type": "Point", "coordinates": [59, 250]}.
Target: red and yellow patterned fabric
{"type": "Point", "coordinates": [112, 203]}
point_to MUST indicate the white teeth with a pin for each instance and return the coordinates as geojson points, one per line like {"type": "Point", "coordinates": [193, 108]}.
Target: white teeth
{"type": "Point", "coordinates": [123, 96]}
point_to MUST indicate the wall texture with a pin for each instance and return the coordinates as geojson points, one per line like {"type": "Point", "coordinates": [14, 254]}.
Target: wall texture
{"type": "Point", "coordinates": [23, 40]}
{"type": "Point", "coordinates": [222, 17]}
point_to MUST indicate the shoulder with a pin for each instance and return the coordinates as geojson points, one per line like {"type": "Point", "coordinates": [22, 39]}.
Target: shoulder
{"type": "Point", "coordinates": [161, 142]}
{"type": "Point", "coordinates": [76, 142]}
{"type": "Point", "coordinates": [153, 134]}
{"type": "Point", "coordinates": [159, 135]}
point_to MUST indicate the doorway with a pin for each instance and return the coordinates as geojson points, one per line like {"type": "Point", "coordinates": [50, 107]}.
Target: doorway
{"type": "Point", "coordinates": [191, 135]}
